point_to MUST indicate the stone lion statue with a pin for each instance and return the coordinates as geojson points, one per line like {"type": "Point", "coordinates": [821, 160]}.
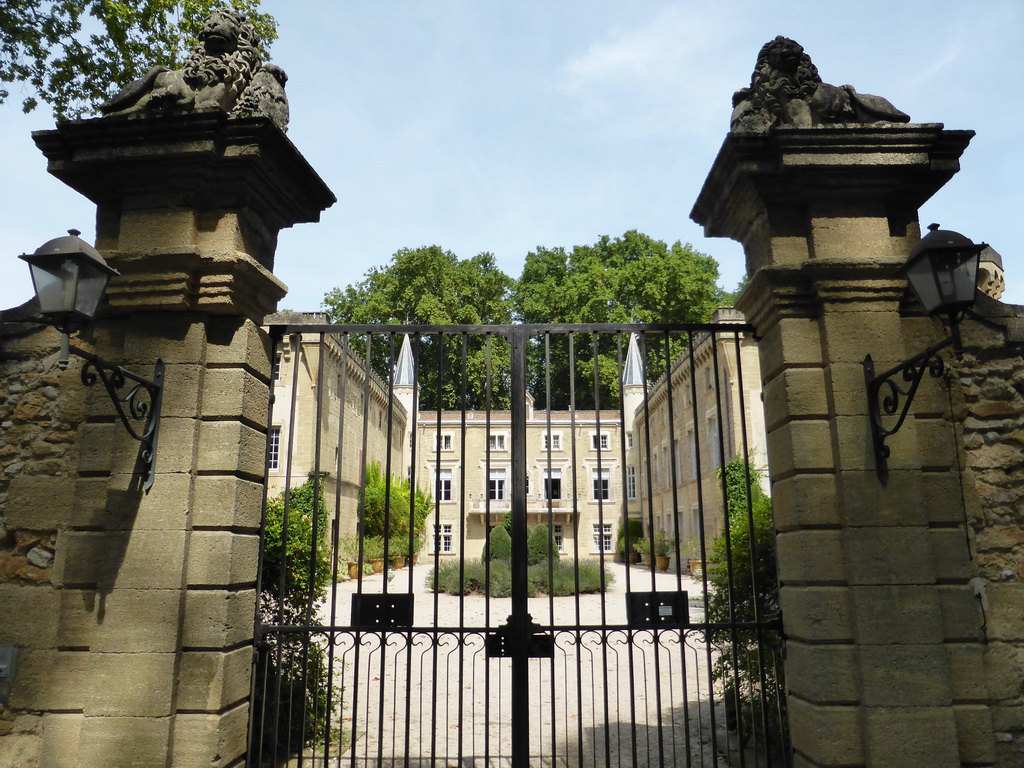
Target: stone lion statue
{"type": "Point", "coordinates": [786, 89]}
{"type": "Point", "coordinates": [223, 72]}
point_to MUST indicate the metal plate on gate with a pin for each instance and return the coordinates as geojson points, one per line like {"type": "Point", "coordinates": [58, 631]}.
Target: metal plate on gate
{"type": "Point", "coordinates": [391, 611]}
{"type": "Point", "coordinates": [541, 645]}
{"type": "Point", "coordinates": [657, 609]}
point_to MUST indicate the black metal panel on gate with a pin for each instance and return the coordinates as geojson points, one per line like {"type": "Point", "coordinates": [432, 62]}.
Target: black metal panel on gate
{"type": "Point", "coordinates": [540, 645]}
{"type": "Point", "coordinates": [390, 611]}
{"type": "Point", "coordinates": [657, 609]}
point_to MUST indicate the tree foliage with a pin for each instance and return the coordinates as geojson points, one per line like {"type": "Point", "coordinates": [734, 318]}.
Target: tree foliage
{"type": "Point", "coordinates": [431, 286]}
{"type": "Point", "coordinates": [633, 278]}
{"type": "Point", "coordinates": [75, 54]}
{"type": "Point", "coordinates": [390, 507]}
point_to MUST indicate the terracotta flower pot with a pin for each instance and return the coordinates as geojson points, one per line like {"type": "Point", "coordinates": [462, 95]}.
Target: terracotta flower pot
{"type": "Point", "coordinates": [634, 558]}
{"type": "Point", "coordinates": [377, 563]}
{"type": "Point", "coordinates": [398, 561]}
{"type": "Point", "coordinates": [662, 562]}
{"type": "Point", "coordinates": [697, 569]}
{"type": "Point", "coordinates": [353, 570]}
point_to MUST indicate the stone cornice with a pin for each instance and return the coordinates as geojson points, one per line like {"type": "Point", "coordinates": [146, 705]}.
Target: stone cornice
{"type": "Point", "coordinates": [203, 160]}
{"type": "Point", "coordinates": [767, 186]}
{"type": "Point", "coordinates": [191, 279]}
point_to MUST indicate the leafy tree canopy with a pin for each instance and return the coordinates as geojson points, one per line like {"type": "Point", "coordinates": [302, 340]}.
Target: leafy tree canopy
{"type": "Point", "coordinates": [633, 278]}
{"type": "Point", "coordinates": [431, 286]}
{"type": "Point", "coordinates": [75, 55]}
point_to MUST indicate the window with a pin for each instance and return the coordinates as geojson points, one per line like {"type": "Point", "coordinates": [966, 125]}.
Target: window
{"type": "Point", "coordinates": [444, 485]}
{"type": "Point", "coordinates": [274, 454]}
{"type": "Point", "coordinates": [709, 378]}
{"type": "Point", "coordinates": [496, 485]}
{"type": "Point", "coordinates": [559, 538]}
{"type": "Point", "coordinates": [444, 442]}
{"type": "Point", "coordinates": [599, 442]}
{"type": "Point", "coordinates": [691, 447]}
{"type": "Point", "coordinates": [631, 483]}
{"type": "Point", "coordinates": [629, 439]}
{"type": "Point", "coordinates": [602, 485]}
{"type": "Point", "coordinates": [716, 452]}
{"type": "Point", "coordinates": [552, 442]}
{"type": "Point", "coordinates": [496, 442]}
{"type": "Point", "coordinates": [552, 483]}
{"type": "Point", "coordinates": [602, 537]}
{"type": "Point", "coordinates": [443, 538]}
{"type": "Point", "coordinates": [276, 373]}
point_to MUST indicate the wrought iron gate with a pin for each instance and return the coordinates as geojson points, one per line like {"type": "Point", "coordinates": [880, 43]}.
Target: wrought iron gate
{"type": "Point", "coordinates": [417, 445]}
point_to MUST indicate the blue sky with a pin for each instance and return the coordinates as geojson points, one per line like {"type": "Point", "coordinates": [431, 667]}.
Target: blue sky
{"type": "Point", "coordinates": [485, 126]}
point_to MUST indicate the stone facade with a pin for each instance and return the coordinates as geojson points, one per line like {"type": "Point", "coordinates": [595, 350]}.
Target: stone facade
{"type": "Point", "coordinates": [722, 388]}
{"type": "Point", "coordinates": [317, 436]}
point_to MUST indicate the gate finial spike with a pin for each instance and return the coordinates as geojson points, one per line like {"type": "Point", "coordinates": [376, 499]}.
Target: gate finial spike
{"type": "Point", "coordinates": [404, 369]}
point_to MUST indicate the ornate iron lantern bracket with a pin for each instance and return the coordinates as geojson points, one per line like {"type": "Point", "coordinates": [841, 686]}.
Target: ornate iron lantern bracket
{"type": "Point", "coordinates": [895, 400]}
{"type": "Point", "coordinates": [125, 390]}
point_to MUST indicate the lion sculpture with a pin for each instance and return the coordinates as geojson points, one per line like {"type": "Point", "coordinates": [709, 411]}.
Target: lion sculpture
{"type": "Point", "coordinates": [786, 89]}
{"type": "Point", "coordinates": [223, 72]}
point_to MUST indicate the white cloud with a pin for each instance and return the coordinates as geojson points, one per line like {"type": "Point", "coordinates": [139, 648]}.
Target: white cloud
{"type": "Point", "coordinates": [660, 78]}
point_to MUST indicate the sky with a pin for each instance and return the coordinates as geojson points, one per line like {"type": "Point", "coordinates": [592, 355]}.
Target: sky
{"type": "Point", "coordinates": [479, 125]}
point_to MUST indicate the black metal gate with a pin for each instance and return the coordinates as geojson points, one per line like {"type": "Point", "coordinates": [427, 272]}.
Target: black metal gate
{"type": "Point", "coordinates": [504, 476]}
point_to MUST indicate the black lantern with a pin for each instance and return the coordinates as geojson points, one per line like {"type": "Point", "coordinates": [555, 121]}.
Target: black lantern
{"type": "Point", "coordinates": [942, 270]}
{"type": "Point", "coordinates": [70, 277]}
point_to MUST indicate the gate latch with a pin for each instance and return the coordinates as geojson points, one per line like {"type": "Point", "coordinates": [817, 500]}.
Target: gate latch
{"type": "Point", "coordinates": [540, 644]}
{"type": "Point", "coordinates": [391, 611]}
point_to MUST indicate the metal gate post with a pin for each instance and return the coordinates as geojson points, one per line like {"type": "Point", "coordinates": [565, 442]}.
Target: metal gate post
{"type": "Point", "coordinates": [520, 620]}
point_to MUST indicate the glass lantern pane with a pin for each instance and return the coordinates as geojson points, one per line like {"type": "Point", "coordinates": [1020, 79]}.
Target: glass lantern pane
{"type": "Point", "coordinates": [91, 284]}
{"type": "Point", "coordinates": [965, 278]}
{"type": "Point", "coordinates": [922, 282]}
{"type": "Point", "coordinates": [55, 285]}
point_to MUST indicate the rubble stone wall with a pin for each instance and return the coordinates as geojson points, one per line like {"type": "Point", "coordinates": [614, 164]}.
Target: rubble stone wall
{"type": "Point", "coordinates": [990, 398]}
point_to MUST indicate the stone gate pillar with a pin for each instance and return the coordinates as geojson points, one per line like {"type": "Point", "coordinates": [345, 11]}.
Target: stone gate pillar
{"type": "Point", "coordinates": [883, 663]}
{"type": "Point", "coordinates": [150, 661]}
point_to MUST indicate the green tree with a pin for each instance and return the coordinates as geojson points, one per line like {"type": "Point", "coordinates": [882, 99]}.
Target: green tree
{"type": "Point", "coordinates": [633, 278]}
{"type": "Point", "coordinates": [540, 545]}
{"type": "Point", "coordinates": [74, 54]}
{"type": "Point", "coordinates": [390, 507]}
{"type": "Point", "coordinates": [431, 286]}
{"type": "Point", "coordinates": [295, 575]}
{"type": "Point", "coordinates": [744, 587]}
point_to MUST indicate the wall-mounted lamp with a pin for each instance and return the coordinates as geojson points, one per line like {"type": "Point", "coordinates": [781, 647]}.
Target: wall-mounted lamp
{"type": "Point", "coordinates": [942, 270]}
{"type": "Point", "coordinates": [69, 277]}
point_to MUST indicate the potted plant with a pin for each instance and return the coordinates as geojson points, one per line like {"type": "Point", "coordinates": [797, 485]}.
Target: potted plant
{"type": "Point", "coordinates": [373, 549]}
{"type": "Point", "coordinates": [691, 550]}
{"type": "Point", "coordinates": [348, 551]}
{"type": "Point", "coordinates": [643, 548]}
{"type": "Point", "coordinates": [662, 546]}
{"type": "Point", "coordinates": [398, 548]}
{"type": "Point", "coordinates": [417, 545]}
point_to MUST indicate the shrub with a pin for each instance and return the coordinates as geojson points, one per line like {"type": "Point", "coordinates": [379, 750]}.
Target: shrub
{"type": "Point", "coordinates": [741, 668]}
{"type": "Point", "coordinates": [472, 579]}
{"type": "Point", "coordinates": [388, 507]}
{"type": "Point", "coordinates": [295, 575]}
{"type": "Point", "coordinates": [498, 546]}
{"type": "Point", "coordinates": [540, 546]}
